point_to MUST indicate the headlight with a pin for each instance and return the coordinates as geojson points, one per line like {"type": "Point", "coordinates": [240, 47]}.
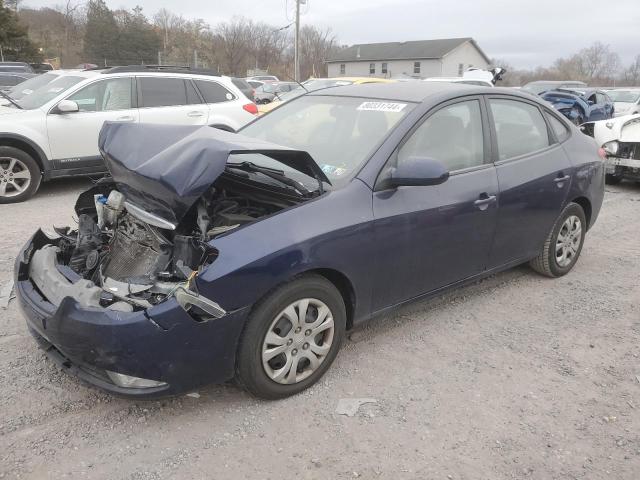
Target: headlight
{"type": "Point", "coordinates": [128, 381]}
{"type": "Point", "coordinates": [611, 147]}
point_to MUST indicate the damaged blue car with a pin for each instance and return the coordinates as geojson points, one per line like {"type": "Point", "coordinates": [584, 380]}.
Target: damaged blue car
{"type": "Point", "coordinates": [580, 105]}
{"type": "Point", "coordinates": [208, 256]}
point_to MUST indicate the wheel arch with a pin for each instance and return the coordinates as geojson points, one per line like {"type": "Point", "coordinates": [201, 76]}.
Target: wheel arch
{"type": "Point", "coordinates": [344, 286]}
{"type": "Point", "coordinates": [585, 204]}
{"type": "Point", "coordinates": [26, 145]}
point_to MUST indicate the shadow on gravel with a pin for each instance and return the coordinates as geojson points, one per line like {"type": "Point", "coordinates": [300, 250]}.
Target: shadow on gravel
{"type": "Point", "coordinates": [63, 186]}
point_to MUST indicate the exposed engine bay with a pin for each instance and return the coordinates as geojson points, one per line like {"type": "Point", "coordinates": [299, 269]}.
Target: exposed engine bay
{"type": "Point", "coordinates": [115, 259]}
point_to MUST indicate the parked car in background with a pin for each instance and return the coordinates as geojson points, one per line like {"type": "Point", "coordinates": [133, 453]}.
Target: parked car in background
{"type": "Point", "coordinates": [8, 80]}
{"type": "Point", "coordinates": [580, 106]}
{"type": "Point", "coordinates": [264, 78]}
{"type": "Point", "coordinates": [53, 131]}
{"type": "Point", "coordinates": [245, 88]}
{"type": "Point", "coordinates": [271, 91]}
{"type": "Point", "coordinates": [540, 86]}
{"type": "Point", "coordinates": [314, 84]}
{"type": "Point", "coordinates": [255, 83]}
{"type": "Point", "coordinates": [16, 67]}
{"type": "Point", "coordinates": [41, 67]}
{"type": "Point", "coordinates": [626, 101]}
{"type": "Point", "coordinates": [466, 81]}
{"type": "Point", "coordinates": [27, 87]}
{"type": "Point", "coordinates": [620, 139]}
{"type": "Point", "coordinates": [210, 255]}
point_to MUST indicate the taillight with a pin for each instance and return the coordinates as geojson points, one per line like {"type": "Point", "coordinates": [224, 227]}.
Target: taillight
{"type": "Point", "coordinates": [251, 108]}
{"type": "Point", "coordinates": [602, 153]}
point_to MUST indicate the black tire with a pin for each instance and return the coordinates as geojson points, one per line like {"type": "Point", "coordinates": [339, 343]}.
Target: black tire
{"type": "Point", "coordinates": [612, 179]}
{"type": "Point", "coordinates": [546, 263]}
{"type": "Point", "coordinates": [250, 373]}
{"type": "Point", "coordinates": [27, 160]}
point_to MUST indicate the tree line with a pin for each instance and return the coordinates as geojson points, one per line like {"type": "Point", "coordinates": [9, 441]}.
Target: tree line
{"type": "Point", "coordinates": [90, 32]}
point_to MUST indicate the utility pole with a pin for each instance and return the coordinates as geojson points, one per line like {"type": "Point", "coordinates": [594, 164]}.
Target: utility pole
{"type": "Point", "coordinates": [296, 51]}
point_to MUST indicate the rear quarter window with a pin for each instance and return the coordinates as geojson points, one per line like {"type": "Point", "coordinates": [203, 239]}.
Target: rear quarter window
{"type": "Point", "coordinates": [559, 129]}
{"type": "Point", "coordinates": [213, 92]}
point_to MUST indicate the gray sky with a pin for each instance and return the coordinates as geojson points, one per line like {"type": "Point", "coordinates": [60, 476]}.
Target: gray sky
{"type": "Point", "coordinates": [526, 34]}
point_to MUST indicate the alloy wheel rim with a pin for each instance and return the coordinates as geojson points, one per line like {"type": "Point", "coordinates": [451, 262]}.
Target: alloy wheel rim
{"type": "Point", "coordinates": [568, 241]}
{"type": "Point", "coordinates": [15, 177]}
{"type": "Point", "coordinates": [298, 341]}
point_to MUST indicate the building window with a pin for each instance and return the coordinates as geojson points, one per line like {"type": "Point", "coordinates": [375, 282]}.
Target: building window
{"type": "Point", "coordinates": [416, 67]}
{"type": "Point", "coordinates": [460, 69]}
{"type": "Point", "coordinates": [343, 68]}
{"type": "Point", "coordinates": [372, 68]}
{"type": "Point", "coordinates": [384, 68]}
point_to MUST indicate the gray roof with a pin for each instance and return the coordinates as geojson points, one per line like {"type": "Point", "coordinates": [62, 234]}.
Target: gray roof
{"type": "Point", "coordinates": [418, 49]}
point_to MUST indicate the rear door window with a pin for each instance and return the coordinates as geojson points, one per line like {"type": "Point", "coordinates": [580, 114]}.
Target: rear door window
{"type": "Point", "coordinates": [162, 92]}
{"type": "Point", "coordinates": [520, 128]}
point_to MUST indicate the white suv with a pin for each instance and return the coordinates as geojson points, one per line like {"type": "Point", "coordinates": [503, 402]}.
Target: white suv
{"type": "Point", "coordinates": [53, 131]}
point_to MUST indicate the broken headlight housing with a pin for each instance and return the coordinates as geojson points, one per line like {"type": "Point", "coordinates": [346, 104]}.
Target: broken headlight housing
{"type": "Point", "coordinates": [611, 147]}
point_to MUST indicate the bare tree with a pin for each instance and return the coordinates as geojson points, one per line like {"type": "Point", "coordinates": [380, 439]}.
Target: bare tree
{"type": "Point", "coordinates": [631, 74]}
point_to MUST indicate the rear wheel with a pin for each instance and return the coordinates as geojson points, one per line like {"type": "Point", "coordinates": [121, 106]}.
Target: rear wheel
{"type": "Point", "coordinates": [19, 175]}
{"type": "Point", "coordinates": [291, 338]}
{"type": "Point", "coordinates": [563, 244]}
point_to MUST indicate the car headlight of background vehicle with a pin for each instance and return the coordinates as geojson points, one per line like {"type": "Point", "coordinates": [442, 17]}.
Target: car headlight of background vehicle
{"type": "Point", "coordinates": [611, 147]}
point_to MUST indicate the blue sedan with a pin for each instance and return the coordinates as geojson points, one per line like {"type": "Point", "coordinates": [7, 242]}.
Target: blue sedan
{"type": "Point", "coordinates": [210, 255]}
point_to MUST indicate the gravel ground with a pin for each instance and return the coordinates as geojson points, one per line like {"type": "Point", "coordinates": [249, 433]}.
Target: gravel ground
{"type": "Point", "coordinates": [517, 376]}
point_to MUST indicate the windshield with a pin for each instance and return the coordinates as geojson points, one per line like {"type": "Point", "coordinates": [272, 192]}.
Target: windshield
{"type": "Point", "coordinates": [28, 87]}
{"type": "Point", "coordinates": [47, 92]}
{"type": "Point", "coordinates": [624, 96]}
{"type": "Point", "coordinates": [338, 132]}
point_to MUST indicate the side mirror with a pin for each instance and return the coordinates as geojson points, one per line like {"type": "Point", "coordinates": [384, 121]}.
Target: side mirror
{"type": "Point", "coordinates": [66, 106]}
{"type": "Point", "coordinates": [591, 102]}
{"type": "Point", "coordinates": [417, 171]}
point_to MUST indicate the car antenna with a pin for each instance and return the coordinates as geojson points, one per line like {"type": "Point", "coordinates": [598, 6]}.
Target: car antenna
{"type": "Point", "coordinates": [296, 81]}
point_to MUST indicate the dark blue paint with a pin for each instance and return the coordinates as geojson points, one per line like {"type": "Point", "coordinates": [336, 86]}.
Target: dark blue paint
{"type": "Point", "coordinates": [392, 245]}
{"type": "Point", "coordinates": [575, 105]}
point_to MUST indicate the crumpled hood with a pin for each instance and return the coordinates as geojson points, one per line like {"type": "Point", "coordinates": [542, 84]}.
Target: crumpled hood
{"type": "Point", "coordinates": [164, 169]}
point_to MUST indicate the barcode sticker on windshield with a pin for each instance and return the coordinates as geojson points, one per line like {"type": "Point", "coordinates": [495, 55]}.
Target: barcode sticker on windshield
{"type": "Point", "coordinates": [382, 106]}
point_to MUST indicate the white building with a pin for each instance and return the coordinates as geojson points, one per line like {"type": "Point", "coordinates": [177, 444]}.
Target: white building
{"type": "Point", "coordinates": [448, 57]}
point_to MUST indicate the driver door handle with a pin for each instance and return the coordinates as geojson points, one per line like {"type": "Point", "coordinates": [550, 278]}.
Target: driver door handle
{"type": "Point", "coordinates": [484, 201]}
{"type": "Point", "coordinates": [195, 114]}
{"type": "Point", "coordinates": [125, 118]}
{"type": "Point", "coordinates": [561, 180]}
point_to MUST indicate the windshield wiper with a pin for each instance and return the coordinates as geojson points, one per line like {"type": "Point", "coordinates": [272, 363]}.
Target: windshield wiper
{"type": "Point", "coordinates": [13, 102]}
{"type": "Point", "coordinates": [271, 173]}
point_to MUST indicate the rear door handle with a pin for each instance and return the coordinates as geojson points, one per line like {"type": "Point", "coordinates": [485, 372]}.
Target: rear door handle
{"type": "Point", "coordinates": [126, 118]}
{"type": "Point", "coordinates": [484, 202]}
{"type": "Point", "coordinates": [195, 114]}
{"type": "Point", "coordinates": [560, 180]}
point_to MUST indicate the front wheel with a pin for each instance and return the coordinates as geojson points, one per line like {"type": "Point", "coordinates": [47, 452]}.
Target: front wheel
{"type": "Point", "coordinates": [291, 338]}
{"type": "Point", "coordinates": [563, 244]}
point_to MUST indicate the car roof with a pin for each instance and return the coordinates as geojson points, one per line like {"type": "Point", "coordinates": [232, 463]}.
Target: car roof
{"type": "Point", "coordinates": [410, 91]}
{"type": "Point", "coordinates": [556, 82]}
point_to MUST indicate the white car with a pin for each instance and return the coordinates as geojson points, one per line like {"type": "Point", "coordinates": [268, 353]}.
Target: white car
{"type": "Point", "coordinates": [53, 131]}
{"type": "Point", "coordinates": [263, 78]}
{"type": "Point", "coordinates": [474, 76]}
{"type": "Point", "coordinates": [626, 101]}
{"type": "Point", "coordinates": [620, 139]}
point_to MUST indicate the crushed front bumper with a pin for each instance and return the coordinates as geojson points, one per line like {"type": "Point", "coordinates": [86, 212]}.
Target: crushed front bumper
{"type": "Point", "coordinates": [163, 343]}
